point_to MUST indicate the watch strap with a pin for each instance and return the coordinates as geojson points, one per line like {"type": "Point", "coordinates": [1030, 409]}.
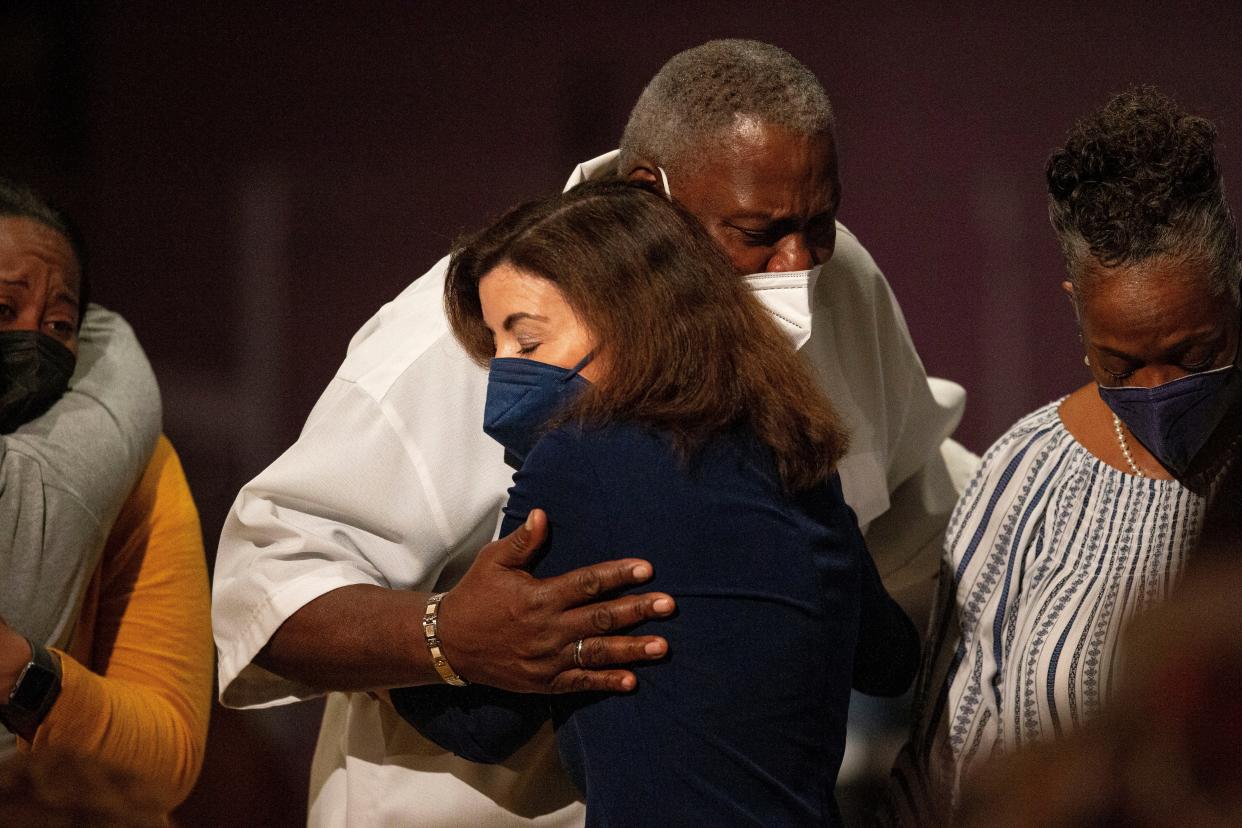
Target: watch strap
{"type": "Point", "coordinates": [33, 694]}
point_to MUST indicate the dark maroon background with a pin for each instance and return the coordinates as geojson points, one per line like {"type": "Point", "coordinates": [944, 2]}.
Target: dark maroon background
{"type": "Point", "coordinates": [255, 180]}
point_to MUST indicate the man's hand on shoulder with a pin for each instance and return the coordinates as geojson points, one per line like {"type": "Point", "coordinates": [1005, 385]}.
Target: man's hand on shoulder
{"type": "Point", "coordinates": [503, 627]}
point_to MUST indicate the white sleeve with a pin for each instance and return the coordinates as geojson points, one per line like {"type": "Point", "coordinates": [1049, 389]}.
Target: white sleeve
{"type": "Point", "coordinates": [65, 475]}
{"type": "Point", "coordinates": [919, 415]}
{"type": "Point", "coordinates": [398, 491]}
{"type": "Point", "coordinates": [903, 474]}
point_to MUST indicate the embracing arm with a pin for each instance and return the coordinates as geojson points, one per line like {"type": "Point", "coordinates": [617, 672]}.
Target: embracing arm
{"type": "Point", "coordinates": [484, 724]}
{"type": "Point", "coordinates": [143, 701]}
{"type": "Point", "coordinates": [478, 722]}
{"type": "Point", "coordinates": [887, 655]}
{"type": "Point", "coordinates": [323, 573]}
{"type": "Point", "coordinates": [64, 476]}
{"type": "Point", "coordinates": [377, 640]}
{"type": "Point", "coordinates": [886, 651]}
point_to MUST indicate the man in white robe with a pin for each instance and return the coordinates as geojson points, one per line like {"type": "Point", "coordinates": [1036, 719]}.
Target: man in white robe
{"type": "Point", "coordinates": [328, 556]}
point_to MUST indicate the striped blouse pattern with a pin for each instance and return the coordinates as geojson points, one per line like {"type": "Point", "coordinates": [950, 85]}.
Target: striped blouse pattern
{"type": "Point", "coordinates": [1048, 555]}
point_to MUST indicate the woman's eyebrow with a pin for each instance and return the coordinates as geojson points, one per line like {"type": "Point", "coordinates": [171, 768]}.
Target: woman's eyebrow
{"type": "Point", "coordinates": [513, 318]}
{"type": "Point", "coordinates": [1206, 336]}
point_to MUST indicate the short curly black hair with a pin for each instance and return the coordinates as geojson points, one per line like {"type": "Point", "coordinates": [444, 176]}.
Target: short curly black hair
{"type": "Point", "coordinates": [1139, 179]}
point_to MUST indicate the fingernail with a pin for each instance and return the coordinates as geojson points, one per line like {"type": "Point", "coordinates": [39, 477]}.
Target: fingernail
{"type": "Point", "coordinates": [642, 571]}
{"type": "Point", "coordinates": [627, 683]}
{"type": "Point", "coordinates": [662, 605]}
{"type": "Point", "coordinates": [530, 522]}
{"type": "Point", "coordinates": [654, 648]}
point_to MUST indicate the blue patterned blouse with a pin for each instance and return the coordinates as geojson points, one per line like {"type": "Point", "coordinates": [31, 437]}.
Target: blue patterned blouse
{"type": "Point", "coordinates": [1049, 554]}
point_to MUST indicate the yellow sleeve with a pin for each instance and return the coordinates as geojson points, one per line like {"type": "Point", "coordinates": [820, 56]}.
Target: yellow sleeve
{"type": "Point", "coordinates": [144, 701]}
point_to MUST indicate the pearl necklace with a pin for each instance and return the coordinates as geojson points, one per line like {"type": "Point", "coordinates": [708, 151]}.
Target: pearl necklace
{"type": "Point", "coordinates": [1125, 447]}
{"type": "Point", "coordinates": [1226, 461]}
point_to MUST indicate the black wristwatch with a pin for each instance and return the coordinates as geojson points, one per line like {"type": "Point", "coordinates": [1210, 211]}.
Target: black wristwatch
{"type": "Point", "coordinates": [35, 692]}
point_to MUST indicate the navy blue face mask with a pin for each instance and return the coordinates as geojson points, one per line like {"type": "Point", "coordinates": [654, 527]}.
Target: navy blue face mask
{"type": "Point", "coordinates": [34, 372]}
{"type": "Point", "coordinates": [1175, 420]}
{"type": "Point", "coordinates": [522, 398]}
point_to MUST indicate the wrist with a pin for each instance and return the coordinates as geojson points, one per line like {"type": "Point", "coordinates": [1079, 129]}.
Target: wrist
{"type": "Point", "coordinates": [15, 654]}
{"type": "Point", "coordinates": [33, 693]}
{"type": "Point", "coordinates": [435, 646]}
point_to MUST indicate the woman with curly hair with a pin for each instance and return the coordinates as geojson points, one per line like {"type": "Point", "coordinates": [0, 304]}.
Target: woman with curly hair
{"type": "Point", "coordinates": [1083, 513]}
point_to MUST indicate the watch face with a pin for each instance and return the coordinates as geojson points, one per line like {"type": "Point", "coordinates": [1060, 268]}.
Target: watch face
{"type": "Point", "coordinates": [34, 687]}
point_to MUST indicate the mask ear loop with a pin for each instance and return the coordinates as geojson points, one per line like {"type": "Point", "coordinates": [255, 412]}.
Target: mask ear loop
{"type": "Point", "coordinates": [582, 363]}
{"type": "Point", "coordinates": [1237, 351]}
{"type": "Point", "coordinates": [664, 179]}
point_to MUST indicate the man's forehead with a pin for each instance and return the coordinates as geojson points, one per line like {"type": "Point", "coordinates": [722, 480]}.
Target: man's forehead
{"type": "Point", "coordinates": [762, 168]}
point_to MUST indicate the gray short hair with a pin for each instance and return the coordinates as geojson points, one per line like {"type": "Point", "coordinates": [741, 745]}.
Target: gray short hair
{"type": "Point", "coordinates": [1140, 179]}
{"type": "Point", "coordinates": [701, 92]}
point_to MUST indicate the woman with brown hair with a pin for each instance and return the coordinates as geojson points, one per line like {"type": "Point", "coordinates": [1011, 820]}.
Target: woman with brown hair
{"type": "Point", "coordinates": [655, 408]}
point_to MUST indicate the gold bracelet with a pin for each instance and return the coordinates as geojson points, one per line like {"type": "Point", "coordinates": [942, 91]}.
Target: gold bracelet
{"type": "Point", "coordinates": [433, 643]}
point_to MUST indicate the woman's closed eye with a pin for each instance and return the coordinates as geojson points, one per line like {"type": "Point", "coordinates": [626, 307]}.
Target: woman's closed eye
{"type": "Point", "coordinates": [1196, 367]}
{"type": "Point", "coordinates": [1119, 376]}
{"type": "Point", "coordinates": [1199, 366]}
{"type": "Point", "coordinates": [1200, 358]}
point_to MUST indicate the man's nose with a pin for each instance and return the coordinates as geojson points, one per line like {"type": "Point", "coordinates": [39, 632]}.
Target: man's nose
{"type": "Point", "coordinates": [795, 252]}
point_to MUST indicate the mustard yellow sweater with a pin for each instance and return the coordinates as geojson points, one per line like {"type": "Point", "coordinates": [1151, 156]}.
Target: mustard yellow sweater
{"type": "Point", "coordinates": [137, 673]}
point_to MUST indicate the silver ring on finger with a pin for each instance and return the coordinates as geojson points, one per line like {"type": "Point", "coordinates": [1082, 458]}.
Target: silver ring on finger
{"type": "Point", "coordinates": [578, 654]}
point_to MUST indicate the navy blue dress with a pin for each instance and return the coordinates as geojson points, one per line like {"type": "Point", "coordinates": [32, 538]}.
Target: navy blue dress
{"type": "Point", "coordinates": [744, 722]}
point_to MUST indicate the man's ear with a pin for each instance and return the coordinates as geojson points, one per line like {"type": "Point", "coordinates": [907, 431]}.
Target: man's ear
{"type": "Point", "coordinates": [643, 170]}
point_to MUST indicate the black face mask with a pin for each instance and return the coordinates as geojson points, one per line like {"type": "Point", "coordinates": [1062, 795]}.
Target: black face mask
{"type": "Point", "coordinates": [34, 372]}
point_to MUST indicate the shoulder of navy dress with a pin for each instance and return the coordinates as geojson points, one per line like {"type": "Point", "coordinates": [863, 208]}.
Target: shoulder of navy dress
{"type": "Point", "coordinates": [609, 446]}
{"type": "Point", "coordinates": [561, 473]}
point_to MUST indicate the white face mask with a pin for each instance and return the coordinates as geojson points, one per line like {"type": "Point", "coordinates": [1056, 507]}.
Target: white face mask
{"type": "Point", "coordinates": [787, 296]}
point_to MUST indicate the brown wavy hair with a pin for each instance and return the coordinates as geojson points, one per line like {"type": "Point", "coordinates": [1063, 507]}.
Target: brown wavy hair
{"type": "Point", "coordinates": [686, 348]}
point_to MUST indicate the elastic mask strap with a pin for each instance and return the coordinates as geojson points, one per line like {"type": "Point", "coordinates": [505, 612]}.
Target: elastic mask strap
{"type": "Point", "coordinates": [582, 363]}
{"type": "Point", "coordinates": [664, 178]}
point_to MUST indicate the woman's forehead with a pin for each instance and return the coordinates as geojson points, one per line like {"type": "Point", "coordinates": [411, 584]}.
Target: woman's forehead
{"type": "Point", "coordinates": [30, 249]}
{"type": "Point", "coordinates": [507, 278]}
{"type": "Point", "coordinates": [505, 289]}
{"type": "Point", "coordinates": [1158, 299]}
